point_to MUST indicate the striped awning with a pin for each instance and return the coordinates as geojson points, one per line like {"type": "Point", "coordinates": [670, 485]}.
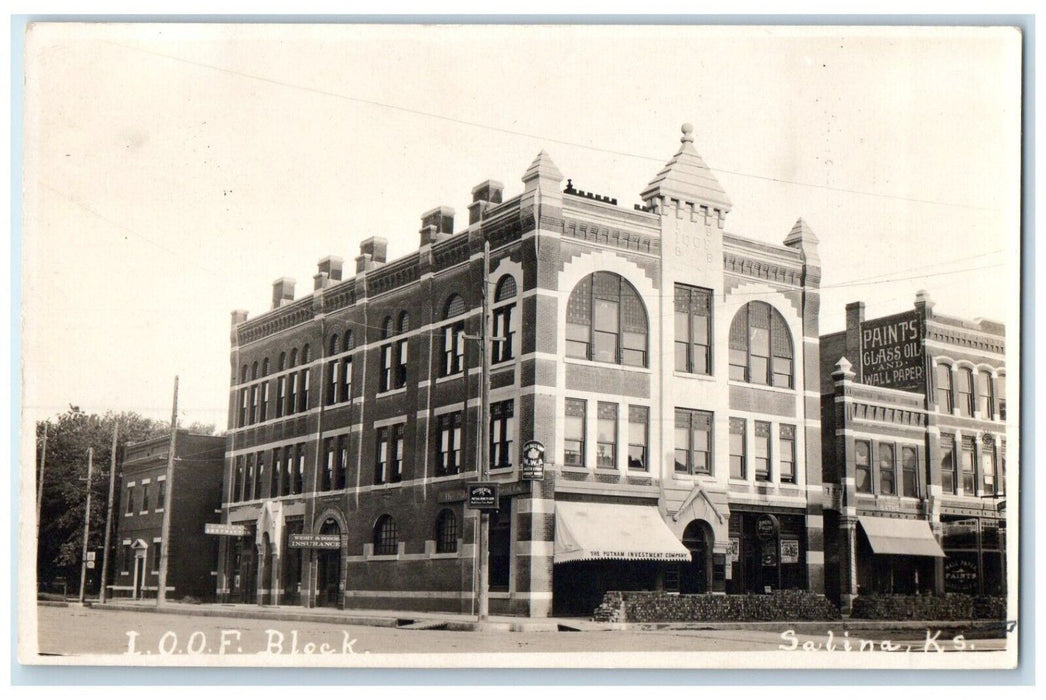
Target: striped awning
{"type": "Point", "coordinates": [900, 536]}
{"type": "Point", "coordinates": [593, 531]}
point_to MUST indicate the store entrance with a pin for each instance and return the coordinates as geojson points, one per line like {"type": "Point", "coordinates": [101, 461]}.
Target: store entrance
{"type": "Point", "coordinates": [328, 575]}
{"type": "Point", "coordinates": [696, 576]}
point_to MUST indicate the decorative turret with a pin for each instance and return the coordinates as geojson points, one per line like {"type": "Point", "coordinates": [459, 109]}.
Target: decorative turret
{"type": "Point", "coordinates": [542, 175]}
{"type": "Point", "coordinates": [688, 181]}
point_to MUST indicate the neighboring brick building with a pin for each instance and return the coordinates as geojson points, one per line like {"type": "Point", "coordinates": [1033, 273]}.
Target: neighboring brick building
{"type": "Point", "coordinates": [914, 419]}
{"type": "Point", "coordinates": [193, 557]}
{"type": "Point", "coordinates": [669, 367]}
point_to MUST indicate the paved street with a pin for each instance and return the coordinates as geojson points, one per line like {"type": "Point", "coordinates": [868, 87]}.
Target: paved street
{"type": "Point", "coordinates": [74, 630]}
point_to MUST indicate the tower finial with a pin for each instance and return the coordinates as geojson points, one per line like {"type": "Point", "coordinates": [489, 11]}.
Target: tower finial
{"type": "Point", "coordinates": [688, 133]}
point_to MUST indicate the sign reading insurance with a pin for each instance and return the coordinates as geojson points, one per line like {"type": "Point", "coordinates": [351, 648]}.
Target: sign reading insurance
{"type": "Point", "coordinates": [892, 352]}
{"type": "Point", "coordinates": [311, 541]}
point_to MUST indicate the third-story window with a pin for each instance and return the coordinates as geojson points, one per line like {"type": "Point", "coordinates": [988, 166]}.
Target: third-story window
{"type": "Point", "coordinates": [761, 451]}
{"type": "Point", "coordinates": [453, 337]}
{"type": "Point", "coordinates": [606, 435]}
{"type": "Point", "coordinates": [964, 391]}
{"type": "Point", "coordinates": [638, 420]}
{"type": "Point", "coordinates": [265, 400]}
{"type": "Point", "coordinates": [276, 475]}
{"type": "Point", "coordinates": [887, 470]}
{"type": "Point", "coordinates": [606, 321]}
{"type": "Point", "coordinates": [449, 436]}
{"type": "Point", "coordinates": [504, 309]}
{"type": "Point", "coordinates": [381, 457]}
{"type": "Point", "coordinates": [345, 390]}
{"type": "Point", "coordinates": [243, 406]}
{"type": "Point", "coordinates": [332, 372]}
{"type": "Point", "coordinates": [909, 472]}
{"type": "Point", "coordinates": [969, 466]}
{"type": "Point", "coordinates": [985, 396]}
{"type": "Point", "coordinates": [693, 441]}
{"type": "Point", "coordinates": [787, 447]}
{"type": "Point", "coordinates": [863, 466]}
{"type": "Point", "coordinates": [281, 395]}
{"type": "Point", "coordinates": [693, 316]}
{"type": "Point", "coordinates": [738, 451]}
{"type": "Point", "coordinates": [254, 402]}
{"type": "Point", "coordinates": [947, 449]}
{"type": "Point", "coordinates": [387, 353]}
{"type": "Point", "coordinates": [761, 346]}
{"type": "Point", "coordinates": [402, 345]}
{"type": "Point", "coordinates": [502, 430]}
{"type": "Point", "coordinates": [574, 433]}
{"type": "Point", "coordinates": [327, 473]}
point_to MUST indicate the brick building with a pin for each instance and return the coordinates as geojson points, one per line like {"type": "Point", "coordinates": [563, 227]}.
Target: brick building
{"type": "Point", "coordinates": [192, 558]}
{"type": "Point", "coordinates": [668, 365]}
{"type": "Point", "coordinates": [914, 419]}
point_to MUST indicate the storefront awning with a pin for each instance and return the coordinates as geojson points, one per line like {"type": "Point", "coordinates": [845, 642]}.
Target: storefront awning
{"type": "Point", "coordinates": [590, 531]}
{"type": "Point", "coordinates": [897, 536]}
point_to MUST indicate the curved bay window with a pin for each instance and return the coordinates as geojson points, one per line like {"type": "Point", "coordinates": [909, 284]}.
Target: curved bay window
{"type": "Point", "coordinates": [504, 307]}
{"type": "Point", "coordinates": [761, 346]}
{"type": "Point", "coordinates": [446, 532]}
{"type": "Point", "coordinates": [385, 536]}
{"type": "Point", "coordinates": [606, 321]}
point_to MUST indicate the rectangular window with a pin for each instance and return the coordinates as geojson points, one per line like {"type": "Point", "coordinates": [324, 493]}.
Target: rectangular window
{"type": "Point", "coordinates": [288, 469]}
{"type": "Point", "coordinates": [964, 392]}
{"type": "Point", "coordinates": [761, 451]}
{"type": "Point", "coordinates": [863, 466]}
{"type": "Point", "coordinates": [281, 396]}
{"type": "Point", "coordinates": [606, 435]}
{"type": "Point", "coordinates": [503, 334]}
{"type": "Point", "coordinates": [574, 433]}
{"type": "Point", "coordinates": [693, 332]}
{"type": "Point", "coordinates": [264, 401]}
{"type": "Point", "coordinates": [633, 329]}
{"type": "Point", "coordinates": [738, 451]}
{"type": "Point", "coordinates": [988, 468]}
{"type": "Point", "coordinates": [502, 433]}
{"type": "Point", "coordinates": [327, 473]}
{"type": "Point", "coordinates": [259, 476]}
{"type": "Point", "coordinates": [606, 315]}
{"type": "Point", "coordinates": [453, 349]}
{"type": "Point", "coordinates": [401, 367]}
{"type": "Point", "coordinates": [396, 466]}
{"type": "Point", "coordinates": [243, 407]}
{"type": "Point", "coordinates": [947, 448]}
{"type": "Point", "coordinates": [985, 396]}
{"type": "Point", "coordinates": [254, 402]}
{"type": "Point", "coordinates": [944, 388]}
{"type": "Point", "coordinates": [1000, 487]}
{"type": "Point", "coordinates": [345, 393]}
{"type": "Point", "coordinates": [381, 461]}
{"type": "Point", "coordinates": [449, 436]}
{"type": "Point", "coordinates": [969, 466]}
{"type": "Point", "coordinates": [693, 441]}
{"type": "Point", "coordinates": [759, 343]}
{"type": "Point", "coordinates": [157, 550]}
{"type": "Point", "coordinates": [161, 496]}
{"type": "Point", "coordinates": [788, 454]}
{"type": "Point", "coordinates": [130, 500]}
{"type": "Point", "coordinates": [237, 479]}
{"type": "Point", "coordinates": [332, 382]}
{"type": "Point", "coordinates": [303, 403]}
{"type": "Point", "coordinates": [299, 473]}
{"type": "Point", "coordinates": [276, 476]}
{"type": "Point", "coordinates": [909, 472]}
{"type": "Point", "coordinates": [248, 493]}
{"type": "Point", "coordinates": [342, 462]}
{"type": "Point", "coordinates": [292, 396]}
{"type": "Point", "coordinates": [145, 497]}
{"type": "Point", "coordinates": [385, 378]}
{"type": "Point", "coordinates": [887, 470]}
{"type": "Point", "coordinates": [1000, 395]}
{"type": "Point", "coordinates": [638, 421]}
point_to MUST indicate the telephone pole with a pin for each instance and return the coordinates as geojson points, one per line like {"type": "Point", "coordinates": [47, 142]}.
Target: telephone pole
{"type": "Point", "coordinates": [109, 513]}
{"type": "Point", "coordinates": [484, 448]}
{"type": "Point", "coordinates": [87, 526]}
{"type": "Point", "coordinates": [165, 532]}
{"type": "Point", "coordinates": [40, 483]}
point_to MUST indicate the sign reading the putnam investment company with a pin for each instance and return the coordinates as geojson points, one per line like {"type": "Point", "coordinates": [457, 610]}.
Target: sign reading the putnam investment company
{"type": "Point", "coordinates": [533, 461]}
{"type": "Point", "coordinates": [310, 541]}
{"type": "Point", "coordinates": [223, 529]}
{"type": "Point", "coordinates": [482, 495]}
{"type": "Point", "coordinates": [892, 352]}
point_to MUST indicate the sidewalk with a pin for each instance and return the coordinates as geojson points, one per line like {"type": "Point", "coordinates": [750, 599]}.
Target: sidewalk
{"type": "Point", "coordinates": [504, 623]}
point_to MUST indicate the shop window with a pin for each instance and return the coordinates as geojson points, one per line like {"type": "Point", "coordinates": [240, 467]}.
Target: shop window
{"type": "Point", "coordinates": [738, 451]}
{"type": "Point", "coordinates": [386, 540]}
{"type": "Point", "coordinates": [504, 310]}
{"type": "Point", "coordinates": [964, 391]}
{"type": "Point", "coordinates": [887, 470]}
{"type": "Point", "coordinates": [574, 433]}
{"type": "Point", "coordinates": [863, 466]}
{"type": "Point", "coordinates": [638, 422]}
{"type": "Point", "coordinates": [909, 472]}
{"type": "Point", "coordinates": [693, 320]}
{"type": "Point", "coordinates": [606, 321]}
{"type": "Point", "coordinates": [693, 441]}
{"type": "Point", "coordinates": [761, 451]}
{"type": "Point", "coordinates": [502, 431]}
{"type": "Point", "coordinates": [449, 447]}
{"type": "Point", "coordinates": [787, 443]}
{"type": "Point", "coordinates": [453, 337]}
{"type": "Point", "coordinates": [606, 435]}
{"type": "Point", "coordinates": [446, 532]}
{"type": "Point", "coordinates": [969, 466]}
{"type": "Point", "coordinates": [985, 396]}
{"type": "Point", "coordinates": [944, 388]}
{"type": "Point", "coordinates": [947, 450]}
{"type": "Point", "coordinates": [761, 346]}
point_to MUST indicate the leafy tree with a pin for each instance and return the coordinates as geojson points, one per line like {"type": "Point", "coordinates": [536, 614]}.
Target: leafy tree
{"type": "Point", "coordinates": [69, 436]}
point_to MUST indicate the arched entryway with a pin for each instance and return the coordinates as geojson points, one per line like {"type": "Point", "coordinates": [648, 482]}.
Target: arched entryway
{"type": "Point", "coordinates": [696, 576]}
{"type": "Point", "coordinates": [328, 569]}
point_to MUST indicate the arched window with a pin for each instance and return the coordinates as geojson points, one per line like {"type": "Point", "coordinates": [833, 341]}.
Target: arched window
{"type": "Point", "coordinates": [944, 388]}
{"type": "Point", "coordinates": [294, 358]}
{"type": "Point", "coordinates": [265, 367]}
{"type": "Point", "coordinates": [346, 342]}
{"type": "Point", "coordinates": [305, 354]}
{"type": "Point", "coordinates": [332, 348]}
{"type": "Point", "coordinates": [761, 346]}
{"type": "Point", "coordinates": [385, 536]}
{"type": "Point", "coordinates": [243, 374]}
{"type": "Point", "coordinates": [404, 323]}
{"type": "Point", "coordinates": [453, 337]}
{"type": "Point", "coordinates": [606, 321]}
{"type": "Point", "coordinates": [388, 328]}
{"type": "Point", "coordinates": [446, 532]}
{"type": "Point", "coordinates": [504, 309]}
{"type": "Point", "coordinates": [254, 370]}
{"type": "Point", "coordinates": [282, 365]}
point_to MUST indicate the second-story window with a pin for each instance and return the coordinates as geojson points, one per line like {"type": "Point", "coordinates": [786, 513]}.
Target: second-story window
{"type": "Point", "coordinates": [1000, 394]}
{"type": "Point", "coordinates": [504, 309]}
{"type": "Point", "coordinates": [161, 495]}
{"type": "Point", "coordinates": [761, 451]}
{"type": "Point", "coordinates": [969, 466]}
{"type": "Point", "coordinates": [606, 435]}
{"type": "Point", "coordinates": [145, 497]}
{"type": "Point", "coordinates": [738, 449]}
{"type": "Point", "coordinates": [985, 396]}
{"type": "Point", "coordinates": [863, 466]}
{"type": "Point", "coordinates": [787, 448]}
{"type": "Point", "coordinates": [574, 433]}
{"type": "Point", "coordinates": [502, 429]}
{"type": "Point", "coordinates": [887, 470]}
{"type": "Point", "coordinates": [693, 441]}
{"type": "Point", "coordinates": [944, 388]}
{"type": "Point", "coordinates": [638, 420]}
{"type": "Point", "coordinates": [453, 337]}
{"type": "Point", "coordinates": [947, 452]}
{"type": "Point", "coordinates": [606, 321]}
{"type": "Point", "coordinates": [381, 457]}
{"type": "Point", "coordinates": [761, 346]}
{"type": "Point", "coordinates": [693, 320]}
{"type": "Point", "coordinates": [964, 391]}
{"type": "Point", "coordinates": [988, 467]}
{"type": "Point", "coordinates": [448, 458]}
{"type": "Point", "coordinates": [909, 472]}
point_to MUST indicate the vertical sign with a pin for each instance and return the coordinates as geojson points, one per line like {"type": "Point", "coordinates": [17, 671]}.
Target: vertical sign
{"type": "Point", "coordinates": [892, 352]}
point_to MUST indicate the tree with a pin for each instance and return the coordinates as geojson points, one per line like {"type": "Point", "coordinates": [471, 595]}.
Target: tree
{"type": "Point", "coordinates": [65, 483]}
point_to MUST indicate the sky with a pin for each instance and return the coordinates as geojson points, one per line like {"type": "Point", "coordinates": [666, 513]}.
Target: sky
{"type": "Point", "coordinates": [173, 172]}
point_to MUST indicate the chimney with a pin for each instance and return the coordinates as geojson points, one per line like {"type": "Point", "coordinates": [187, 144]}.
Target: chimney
{"type": "Point", "coordinates": [320, 281]}
{"type": "Point", "coordinates": [483, 195]}
{"type": "Point", "coordinates": [375, 248]}
{"type": "Point", "coordinates": [436, 225]}
{"type": "Point", "coordinates": [854, 319]}
{"type": "Point", "coordinates": [332, 266]}
{"type": "Point", "coordinates": [238, 317]}
{"type": "Point", "coordinates": [282, 292]}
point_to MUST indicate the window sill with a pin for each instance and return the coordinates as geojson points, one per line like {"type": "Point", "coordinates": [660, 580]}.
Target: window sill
{"type": "Point", "coordinates": [605, 365]}
{"type": "Point", "coordinates": [693, 375]}
{"type": "Point", "coordinates": [383, 557]}
{"type": "Point", "coordinates": [443, 555]}
{"type": "Point", "coordinates": [450, 377]}
{"type": "Point", "coordinates": [764, 387]}
{"type": "Point", "coordinates": [391, 392]}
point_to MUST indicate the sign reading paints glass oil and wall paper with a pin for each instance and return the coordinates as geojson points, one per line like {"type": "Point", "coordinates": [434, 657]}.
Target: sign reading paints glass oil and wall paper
{"type": "Point", "coordinates": [892, 352]}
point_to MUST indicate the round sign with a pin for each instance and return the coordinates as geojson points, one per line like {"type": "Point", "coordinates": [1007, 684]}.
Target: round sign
{"type": "Point", "coordinates": [533, 454]}
{"type": "Point", "coordinates": [766, 526]}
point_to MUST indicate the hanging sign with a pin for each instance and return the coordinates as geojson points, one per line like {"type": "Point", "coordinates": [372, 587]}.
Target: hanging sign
{"type": "Point", "coordinates": [766, 526]}
{"type": "Point", "coordinates": [224, 529]}
{"type": "Point", "coordinates": [533, 461]}
{"type": "Point", "coordinates": [482, 495]}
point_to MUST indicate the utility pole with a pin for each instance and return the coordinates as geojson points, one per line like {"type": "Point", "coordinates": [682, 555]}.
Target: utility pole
{"type": "Point", "coordinates": [109, 513]}
{"type": "Point", "coordinates": [40, 483]}
{"type": "Point", "coordinates": [165, 532]}
{"type": "Point", "coordinates": [87, 526]}
{"type": "Point", "coordinates": [484, 448]}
